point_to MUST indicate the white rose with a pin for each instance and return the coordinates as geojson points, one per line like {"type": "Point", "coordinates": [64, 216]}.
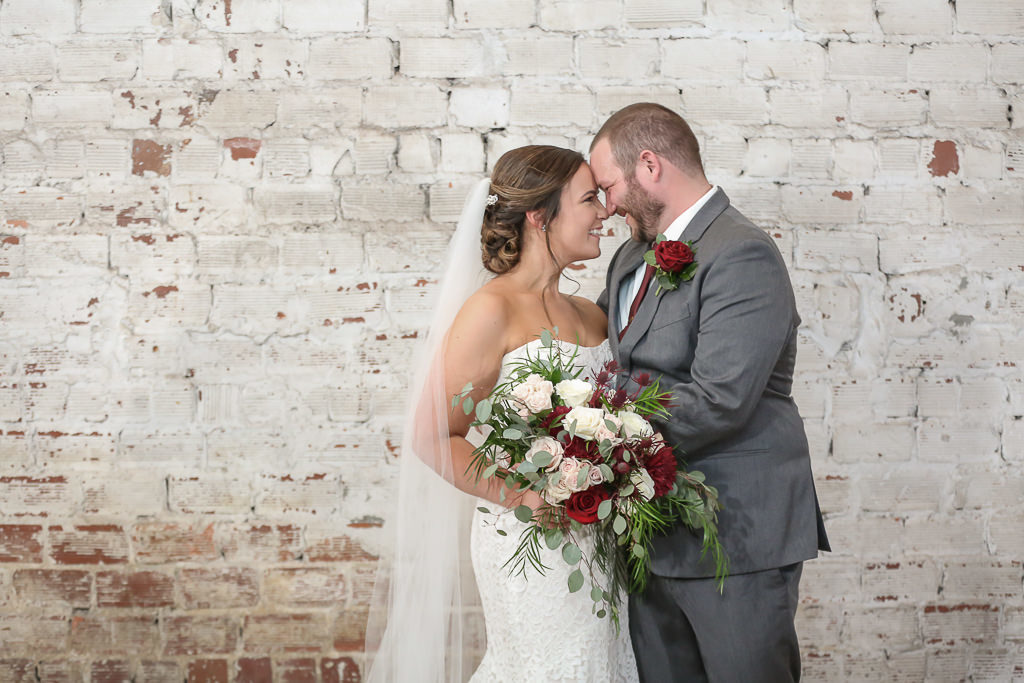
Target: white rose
{"type": "Point", "coordinates": [574, 392]}
{"type": "Point", "coordinates": [587, 420]}
{"type": "Point", "coordinates": [557, 489]}
{"type": "Point", "coordinates": [635, 426]}
{"type": "Point", "coordinates": [546, 444]}
{"type": "Point", "coordinates": [570, 469]}
{"type": "Point", "coordinates": [604, 433]}
{"type": "Point", "coordinates": [643, 483]}
{"type": "Point", "coordinates": [534, 393]}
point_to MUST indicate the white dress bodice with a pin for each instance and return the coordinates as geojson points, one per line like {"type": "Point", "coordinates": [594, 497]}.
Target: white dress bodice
{"type": "Point", "coordinates": [536, 629]}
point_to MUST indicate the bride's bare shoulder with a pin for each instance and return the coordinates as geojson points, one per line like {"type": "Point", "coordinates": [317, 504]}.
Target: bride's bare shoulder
{"type": "Point", "coordinates": [593, 317]}
{"type": "Point", "coordinates": [483, 319]}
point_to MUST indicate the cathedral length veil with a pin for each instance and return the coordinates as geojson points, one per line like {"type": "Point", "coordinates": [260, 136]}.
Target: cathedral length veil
{"type": "Point", "coordinates": [425, 622]}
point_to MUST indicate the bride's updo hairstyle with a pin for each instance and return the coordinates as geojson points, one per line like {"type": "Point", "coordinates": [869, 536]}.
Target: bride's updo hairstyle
{"type": "Point", "coordinates": [524, 179]}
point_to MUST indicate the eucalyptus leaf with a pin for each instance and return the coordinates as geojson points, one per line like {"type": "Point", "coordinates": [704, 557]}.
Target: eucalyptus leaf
{"type": "Point", "coordinates": [501, 532]}
{"type": "Point", "coordinates": [489, 472]}
{"type": "Point", "coordinates": [483, 410]}
{"type": "Point", "coordinates": [697, 475]}
{"type": "Point", "coordinates": [575, 581]}
{"type": "Point", "coordinates": [524, 513]}
{"type": "Point", "coordinates": [601, 614]}
{"type": "Point", "coordinates": [484, 510]}
{"type": "Point", "coordinates": [526, 467]}
{"type": "Point", "coordinates": [606, 471]}
{"type": "Point", "coordinates": [553, 538]}
{"type": "Point", "coordinates": [542, 459]}
{"type": "Point", "coordinates": [626, 455]}
{"type": "Point", "coordinates": [649, 259]}
{"type": "Point", "coordinates": [610, 425]}
{"type": "Point", "coordinates": [545, 338]}
{"type": "Point", "coordinates": [581, 478]}
{"type": "Point", "coordinates": [604, 509]}
{"type": "Point", "coordinates": [627, 491]}
{"type": "Point", "coordinates": [619, 524]}
{"type": "Point", "coordinates": [571, 553]}
{"type": "Point", "coordinates": [639, 551]}
{"type": "Point", "coordinates": [467, 405]}
{"type": "Point", "coordinates": [468, 388]}
{"type": "Point", "coordinates": [512, 433]}
{"type": "Point", "coordinates": [596, 594]}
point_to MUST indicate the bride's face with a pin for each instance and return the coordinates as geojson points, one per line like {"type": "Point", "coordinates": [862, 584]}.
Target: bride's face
{"type": "Point", "coordinates": [575, 234]}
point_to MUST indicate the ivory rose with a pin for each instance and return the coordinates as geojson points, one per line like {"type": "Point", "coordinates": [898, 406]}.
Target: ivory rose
{"type": "Point", "coordinates": [634, 426]}
{"type": "Point", "coordinates": [574, 392]}
{"type": "Point", "coordinates": [587, 420]}
{"type": "Point", "coordinates": [545, 444]}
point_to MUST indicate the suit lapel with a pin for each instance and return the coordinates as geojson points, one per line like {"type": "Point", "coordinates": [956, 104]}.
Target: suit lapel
{"type": "Point", "coordinates": [648, 310]}
{"type": "Point", "coordinates": [628, 261]}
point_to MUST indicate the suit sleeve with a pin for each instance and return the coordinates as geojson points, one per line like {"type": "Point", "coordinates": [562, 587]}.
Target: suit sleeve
{"type": "Point", "coordinates": [747, 317]}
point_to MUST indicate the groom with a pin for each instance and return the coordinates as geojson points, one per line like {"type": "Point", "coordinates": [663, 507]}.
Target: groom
{"type": "Point", "coordinates": [725, 344]}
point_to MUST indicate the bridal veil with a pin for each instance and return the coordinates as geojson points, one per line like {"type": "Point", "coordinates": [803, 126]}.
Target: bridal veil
{"type": "Point", "coordinates": [425, 622]}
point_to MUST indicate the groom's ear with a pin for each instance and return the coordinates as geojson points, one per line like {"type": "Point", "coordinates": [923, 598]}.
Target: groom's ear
{"type": "Point", "coordinates": [649, 166]}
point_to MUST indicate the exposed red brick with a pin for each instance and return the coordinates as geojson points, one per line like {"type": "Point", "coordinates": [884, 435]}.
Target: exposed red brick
{"type": "Point", "coordinates": [21, 543]}
{"type": "Point", "coordinates": [73, 587]}
{"type": "Point", "coordinates": [208, 635]}
{"type": "Point", "coordinates": [208, 671]}
{"type": "Point", "coordinates": [297, 670]}
{"type": "Point", "coordinates": [227, 12]}
{"type": "Point", "coordinates": [845, 195]}
{"type": "Point", "coordinates": [161, 542]}
{"type": "Point", "coordinates": [261, 542]}
{"type": "Point", "coordinates": [339, 548]}
{"type": "Point", "coordinates": [88, 544]}
{"type": "Point", "coordinates": [219, 588]}
{"type": "Point", "coordinates": [149, 155]}
{"type": "Point", "coordinates": [159, 671]}
{"type": "Point", "coordinates": [233, 55]}
{"type": "Point", "coordinates": [134, 589]}
{"type": "Point", "coordinates": [162, 291]}
{"type": "Point", "coordinates": [944, 159]}
{"type": "Point", "coordinates": [17, 670]}
{"type": "Point", "coordinates": [253, 670]}
{"type": "Point", "coordinates": [339, 670]}
{"type": "Point", "coordinates": [110, 671]}
{"type": "Point", "coordinates": [349, 630]}
{"type": "Point", "coordinates": [10, 239]}
{"type": "Point", "coordinates": [243, 148]}
{"type": "Point", "coordinates": [112, 635]}
{"type": "Point", "coordinates": [284, 633]}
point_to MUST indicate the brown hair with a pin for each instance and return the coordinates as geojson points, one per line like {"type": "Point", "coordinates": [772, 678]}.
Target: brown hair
{"type": "Point", "coordinates": [646, 125]}
{"type": "Point", "coordinates": [524, 179]}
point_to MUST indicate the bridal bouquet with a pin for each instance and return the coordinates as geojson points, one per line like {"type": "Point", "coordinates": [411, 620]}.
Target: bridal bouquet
{"type": "Point", "coordinates": [588, 449]}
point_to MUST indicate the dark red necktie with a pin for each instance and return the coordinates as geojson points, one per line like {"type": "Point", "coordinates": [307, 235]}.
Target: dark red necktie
{"type": "Point", "coordinates": [645, 284]}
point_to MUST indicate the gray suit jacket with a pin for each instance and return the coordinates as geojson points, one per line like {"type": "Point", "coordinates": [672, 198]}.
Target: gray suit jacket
{"type": "Point", "coordinates": [725, 344]}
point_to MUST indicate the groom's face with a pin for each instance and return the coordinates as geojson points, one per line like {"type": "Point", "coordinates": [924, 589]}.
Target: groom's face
{"type": "Point", "coordinates": [624, 196]}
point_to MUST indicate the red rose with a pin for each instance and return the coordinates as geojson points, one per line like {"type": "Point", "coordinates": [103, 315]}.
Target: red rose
{"type": "Point", "coordinates": [662, 468]}
{"type": "Point", "coordinates": [673, 256]}
{"type": "Point", "coordinates": [582, 505]}
{"type": "Point", "coordinates": [553, 417]}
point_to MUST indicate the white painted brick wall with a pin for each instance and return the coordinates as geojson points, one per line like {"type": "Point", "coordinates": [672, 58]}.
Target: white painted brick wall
{"type": "Point", "coordinates": [221, 223]}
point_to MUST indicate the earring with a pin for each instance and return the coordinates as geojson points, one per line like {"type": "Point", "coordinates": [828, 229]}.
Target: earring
{"type": "Point", "coordinates": [544, 228]}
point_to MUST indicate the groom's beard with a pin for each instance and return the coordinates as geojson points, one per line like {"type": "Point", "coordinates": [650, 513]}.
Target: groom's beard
{"type": "Point", "coordinates": [644, 209]}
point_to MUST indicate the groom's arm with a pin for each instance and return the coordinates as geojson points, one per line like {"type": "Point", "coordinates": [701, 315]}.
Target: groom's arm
{"type": "Point", "coordinates": [747, 317]}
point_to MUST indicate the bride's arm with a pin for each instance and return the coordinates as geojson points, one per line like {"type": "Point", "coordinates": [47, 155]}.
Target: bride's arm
{"type": "Point", "coordinates": [473, 354]}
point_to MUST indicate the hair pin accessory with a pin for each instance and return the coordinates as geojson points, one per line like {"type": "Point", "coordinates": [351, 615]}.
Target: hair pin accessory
{"type": "Point", "coordinates": [492, 199]}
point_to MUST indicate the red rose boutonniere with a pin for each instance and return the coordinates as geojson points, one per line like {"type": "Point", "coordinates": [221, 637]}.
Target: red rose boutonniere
{"type": "Point", "coordinates": [673, 262]}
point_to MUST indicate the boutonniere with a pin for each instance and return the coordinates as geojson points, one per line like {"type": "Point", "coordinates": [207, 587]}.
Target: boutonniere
{"type": "Point", "coordinates": [673, 262]}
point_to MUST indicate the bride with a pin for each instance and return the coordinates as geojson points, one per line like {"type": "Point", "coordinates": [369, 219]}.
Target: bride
{"type": "Point", "coordinates": [538, 213]}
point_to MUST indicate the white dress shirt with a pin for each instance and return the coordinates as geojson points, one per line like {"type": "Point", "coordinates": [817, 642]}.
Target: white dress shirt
{"type": "Point", "coordinates": [631, 285]}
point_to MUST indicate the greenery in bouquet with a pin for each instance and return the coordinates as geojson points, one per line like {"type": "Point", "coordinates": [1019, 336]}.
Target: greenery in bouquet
{"type": "Point", "coordinates": [589, 450]}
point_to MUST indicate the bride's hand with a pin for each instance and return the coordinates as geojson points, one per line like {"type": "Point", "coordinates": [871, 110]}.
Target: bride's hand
{"type": "Point", "coordinates": [544, 514]}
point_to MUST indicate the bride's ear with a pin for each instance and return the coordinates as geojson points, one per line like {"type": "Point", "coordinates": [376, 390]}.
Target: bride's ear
{"type": "Point", "coordinates": [536, 219]}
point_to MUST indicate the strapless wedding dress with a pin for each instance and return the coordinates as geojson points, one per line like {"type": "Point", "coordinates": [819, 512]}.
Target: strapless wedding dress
{"type": "Point", "coordinates": [536, 630]}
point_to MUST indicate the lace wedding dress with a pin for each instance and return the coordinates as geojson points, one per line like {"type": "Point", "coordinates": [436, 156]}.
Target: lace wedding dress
{"type": "Point", "coordinates": [536, 629]}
